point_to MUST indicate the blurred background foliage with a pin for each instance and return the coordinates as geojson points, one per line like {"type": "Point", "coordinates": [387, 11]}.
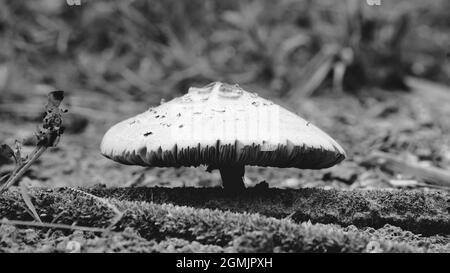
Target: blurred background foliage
{"type": "Point", "coordinates": [152, 49]}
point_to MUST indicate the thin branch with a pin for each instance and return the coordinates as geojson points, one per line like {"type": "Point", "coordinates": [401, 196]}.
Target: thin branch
{"type": "Point", "coordinates": [395, 164]}
{"type": "Point", "coordinates": [26, 198]}
{"type": "Point", "coordinates": [47, 136]}
{"type": "Point", "coordinates": [50, 225]}
{"type": "Point", "coordinates": [104, 201]}
{"type": "Point", "coordinates": [22, 169]}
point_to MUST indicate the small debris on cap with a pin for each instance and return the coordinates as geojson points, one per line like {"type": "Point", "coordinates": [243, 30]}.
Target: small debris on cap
{"type": "Point", "coordinates": [219, 125]}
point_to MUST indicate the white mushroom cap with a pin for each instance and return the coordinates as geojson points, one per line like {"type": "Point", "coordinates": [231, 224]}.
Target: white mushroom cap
{"type": "Point", "coordinates": [217, 125]}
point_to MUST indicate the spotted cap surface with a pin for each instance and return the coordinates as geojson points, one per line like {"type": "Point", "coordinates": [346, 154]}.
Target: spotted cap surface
{"type": "Point", "coordinates": [220, 124]}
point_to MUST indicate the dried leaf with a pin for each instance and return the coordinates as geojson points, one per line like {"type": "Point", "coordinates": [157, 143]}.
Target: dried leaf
{"type": "Point", "coordinates": [54, 99]}
{"type": "Point", "coordinates": [26, 198]}
{"type": "Point", "coordinates": [6, 151]}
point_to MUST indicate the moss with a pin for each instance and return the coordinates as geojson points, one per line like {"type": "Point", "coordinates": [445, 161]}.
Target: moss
{"type": "Point", "coordinates": [165, 227]}
{"type": "Point", "coordinates": [29, 240]}
{"type": "Point", "coordinates": [419, 212]}
{"type": "Point", "coordinates": [435, 243]}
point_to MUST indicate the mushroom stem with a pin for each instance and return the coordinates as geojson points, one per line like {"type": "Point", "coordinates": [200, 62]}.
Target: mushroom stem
{"type": "Point", "coordinates": [232, 177]}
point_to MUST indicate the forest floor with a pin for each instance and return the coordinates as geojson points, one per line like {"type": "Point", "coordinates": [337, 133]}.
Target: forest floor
{"type": "Point", "coordinates": [360, 205]}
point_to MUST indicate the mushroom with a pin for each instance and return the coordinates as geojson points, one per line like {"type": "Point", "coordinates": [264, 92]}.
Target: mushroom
{"type": "Point", "coordinates": [223, 127]}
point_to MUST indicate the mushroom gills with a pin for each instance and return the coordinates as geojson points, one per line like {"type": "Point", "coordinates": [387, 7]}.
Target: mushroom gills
{"type": "Point", "coordinates": [224, 127]}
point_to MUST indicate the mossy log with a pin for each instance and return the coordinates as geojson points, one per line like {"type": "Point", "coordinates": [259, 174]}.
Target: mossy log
{"type": "Point", "coordinates": [416, 211]}
{"type": "Point", "coordinates": [162, 223]}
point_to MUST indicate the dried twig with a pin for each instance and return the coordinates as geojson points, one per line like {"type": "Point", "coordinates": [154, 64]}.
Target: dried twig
{"type": "Point", "coordinates": [393, 163]}
{"type": "Point", "coordinates": [315, 72]}
{"type": "Point", "coordinates": [289, 217]}
{"type": "Point", "coordinates": [26, 198]}
{"type": "Point", "coordinates": [135, 181]}
{"type": "Point", "coordinates": [104, 201]}
{"type": "Point", "coordinates": [50, 225]}
{"type": "Point", "coordinates": [21, 169]}
{"type": "Point", "coordinates": [48, 136]}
